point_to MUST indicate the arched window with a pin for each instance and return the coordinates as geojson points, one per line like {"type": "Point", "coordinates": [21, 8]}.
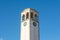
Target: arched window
{"type": "Point", "coordinates": [36, 16]}
{"type": "Point", "coordinates": [27, 15]}
{"type": "Point", "coordinates": [31, 15]}
{"type": "Point", "coordinates": [23, 17]}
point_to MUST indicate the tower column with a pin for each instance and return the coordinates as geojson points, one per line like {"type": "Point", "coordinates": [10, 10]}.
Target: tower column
{"type": "Point", "coordinates": [29, 25]}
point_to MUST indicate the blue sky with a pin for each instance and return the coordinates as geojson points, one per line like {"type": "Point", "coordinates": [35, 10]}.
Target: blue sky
{"type": "Point", "coordinates": [49, 16]}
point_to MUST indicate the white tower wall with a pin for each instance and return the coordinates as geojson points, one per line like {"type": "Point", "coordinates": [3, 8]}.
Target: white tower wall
{"type": "Point", "coordinates": [29, 32]}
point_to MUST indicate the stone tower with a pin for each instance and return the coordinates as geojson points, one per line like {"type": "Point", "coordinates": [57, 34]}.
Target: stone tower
{"type": "Point", "coordinates": [29, 25]}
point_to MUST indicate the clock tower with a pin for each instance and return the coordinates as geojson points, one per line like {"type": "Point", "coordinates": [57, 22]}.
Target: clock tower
{"type": "Point", "coordinates": [29, 25]}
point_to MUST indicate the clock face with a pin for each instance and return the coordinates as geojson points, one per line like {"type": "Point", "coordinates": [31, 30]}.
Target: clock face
{"type": "Point", "coordinates": [34, 24]}
{"type": "Point", "coordinates": [25, 23]}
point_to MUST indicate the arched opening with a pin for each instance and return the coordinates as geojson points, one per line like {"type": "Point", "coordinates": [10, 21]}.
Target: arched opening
{"type": "Point", "coordinates": [36, 16]}
{"type": "Point", "coordinates": [27, 15]}
{"type": "Point", "coordinates": [23, 17]}
{"type": "Point", "coordinates": [31, 14]}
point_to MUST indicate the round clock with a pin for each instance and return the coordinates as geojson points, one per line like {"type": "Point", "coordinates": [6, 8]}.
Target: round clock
{"type": "Point", "coordinates": [34, 24]}
{"type": "Point", "coordinates": [25, 23]}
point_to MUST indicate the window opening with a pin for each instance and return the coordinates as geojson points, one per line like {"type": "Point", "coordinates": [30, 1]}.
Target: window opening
{"type": "Point", "coordinates": [23, 17]}
{"type": "Point", "coordinates": [31, 15]}
{"type": "Point", "coordinates": [27, 15]}
{"type": "Point", "coordinates": [36, 16]}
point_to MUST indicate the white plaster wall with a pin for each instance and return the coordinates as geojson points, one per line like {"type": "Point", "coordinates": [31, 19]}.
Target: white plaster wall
{"type": "Point", "coordinates": [33, 31]}
{"type": "Point", "coordinates": [25, 31]}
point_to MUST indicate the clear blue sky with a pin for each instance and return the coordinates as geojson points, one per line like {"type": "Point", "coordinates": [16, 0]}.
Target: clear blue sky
{"type": "Point", "coordinates": [49, 14]}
